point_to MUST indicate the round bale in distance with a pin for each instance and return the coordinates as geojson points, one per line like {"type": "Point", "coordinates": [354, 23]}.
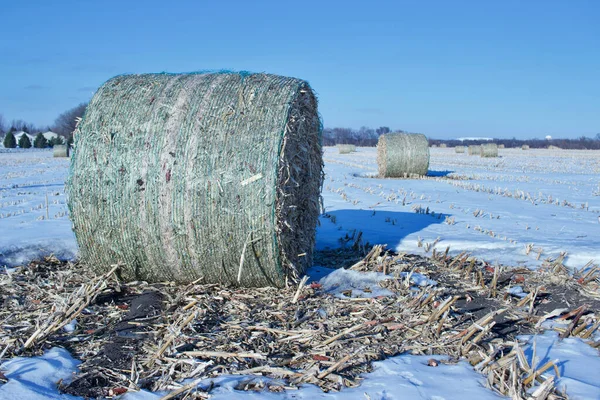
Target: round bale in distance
{"type": "Point", "coordinates": [525, 147]}
{"type": "Point", "coordinates": [60, 150]}
{"type": "Point", "coordinates": [212, 176]}
{"type": "Point", "coordinates": [402, 155]}
{"type": "Point", "coordinates": [346, 148]}
{"type": "Point", "coordinates": [459, 149]}
{"type": "Point", "coordinates": [474, 150]}
{"type": "Point", "coordinates": [489, 150]}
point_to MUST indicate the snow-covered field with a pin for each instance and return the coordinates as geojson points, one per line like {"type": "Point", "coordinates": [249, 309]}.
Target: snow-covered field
{"type": "Point", "coordinates": [33, 208]}
{"type": "Point", "coordinates": [517, 209]}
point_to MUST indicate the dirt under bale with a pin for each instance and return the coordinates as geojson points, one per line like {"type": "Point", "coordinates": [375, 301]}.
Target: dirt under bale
{"type": "Point", "coordinates": [296, 335]}
{"type": "Point", "coordinates": [212, 176]}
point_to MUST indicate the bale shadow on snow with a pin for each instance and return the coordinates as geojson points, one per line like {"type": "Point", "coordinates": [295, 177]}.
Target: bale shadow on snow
{"type": "Point", "coordinates": [344, 236]}
{"type": "Point", "coordinates": [441, 174]}
{"type": "Point", "coordinates": [375, 175]}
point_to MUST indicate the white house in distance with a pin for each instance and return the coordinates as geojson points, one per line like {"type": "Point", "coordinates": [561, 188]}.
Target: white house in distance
{"type": "Point", "coordinates": [48, 135]}
{"type": "Point", "coordinates": [21, 133]}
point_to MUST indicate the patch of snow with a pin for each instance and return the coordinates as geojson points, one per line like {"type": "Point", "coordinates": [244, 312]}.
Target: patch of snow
{"type": "Point", "coordinates": [401, 377]}
{"type": "Point", "coordinates": [419, 279]}
{"type": "Point", "coordinates": [70, 327]}
{"type": "Point", "coordinates": [362, 284]}
{"type": "Point", "coordinates": [517, 291]}
{"type": "Point", "coordinates": [35, 378]}
{"type": "Point", "coordinates": [578, 363]}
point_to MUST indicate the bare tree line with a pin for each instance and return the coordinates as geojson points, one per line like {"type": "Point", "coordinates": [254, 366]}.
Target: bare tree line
{"type": "Point", "coordinates": [368, 137]}
{"type": "Point", "coordinates": [363, 136]}
{"type": "Point", "coordinates": [581, 143]}
{"type": "Point", "coordinates": [64, 124]}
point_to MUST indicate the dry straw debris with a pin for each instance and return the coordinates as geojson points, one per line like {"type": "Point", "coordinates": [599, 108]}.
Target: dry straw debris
{"type": "Point", "coordinates": [156, 336]}
{"type": "Point", "coordinates": [474, 150]}
{"type": "Point", "coordinates": [212, 176]}
{"type": "Point", "coordinates": [489, 150]}
{"type": "Point", "coordinates": [402, 155]}
{"type": "Point", "coordinates": [459, 149]}
{"type": "Point", "coordinates": [60, 150]}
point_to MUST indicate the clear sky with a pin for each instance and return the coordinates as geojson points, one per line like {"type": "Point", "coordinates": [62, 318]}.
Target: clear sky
{"type": "Point", "coordinates": [445, 68]}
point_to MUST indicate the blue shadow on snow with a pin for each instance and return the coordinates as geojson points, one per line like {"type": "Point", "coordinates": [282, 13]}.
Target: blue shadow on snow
{"type": "Point", "coordinates": [377, 227]}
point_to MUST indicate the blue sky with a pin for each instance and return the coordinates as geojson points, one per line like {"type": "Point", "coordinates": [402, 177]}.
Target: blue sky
{"type": "Point", "coordinates": [444, 68]}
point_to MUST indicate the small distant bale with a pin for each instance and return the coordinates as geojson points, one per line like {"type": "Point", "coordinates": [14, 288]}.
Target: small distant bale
{"type": "Point", "coordinates": [525, 147]}
{"type": "Point", "coordinates": [459, 149]}
{"type": "Point", "coordinates": [204, 176]}
{"type": "Point", "coordinates": [443, 146]}
{"type": "Point", "coordinates": [551, 147]}
{"type": "Point", "coordinates": [501, 146]}
{"type": "Point", "coordinates": [489, 150]}
{"type": "Point", "coordinates": [60, 150]}
{"type": "Point", "coordinates": [474, 150]}
{"type": "Point", "coordinates": [346, 148]}
{"type": "Point", "coordinates": [402, 155]}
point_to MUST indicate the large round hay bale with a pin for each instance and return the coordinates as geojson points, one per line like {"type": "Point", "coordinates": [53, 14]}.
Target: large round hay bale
{"type": "Point", "coordinates": [443, 145]}
{"type": "Point", "coordinates": [552, 147]}
{"type": "Point", "coordinates": [199, 176]}
{"type": "Point", "coordinates": [474, 150]}
{"type": "Point", "coordinates": [525, 147]}
{"type": "Point", "coordinates": [60, 150]}
{"type": "Point", "coordinates": [501, 146]}
{"type": "Point", "coordinates": [346, 148]}
{"type": "Point", "coordinates": [459, 149]}
{"type": "Point", "coordinates": [489, 150]}
{"type": "Point", "coordinates": [402, 155]}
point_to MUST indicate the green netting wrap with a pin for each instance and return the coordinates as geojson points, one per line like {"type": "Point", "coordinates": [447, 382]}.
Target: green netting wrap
{"type": "Point", "coordinates": [214, 176]}
{"type": "Point", "coordinates": [402, 155]}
